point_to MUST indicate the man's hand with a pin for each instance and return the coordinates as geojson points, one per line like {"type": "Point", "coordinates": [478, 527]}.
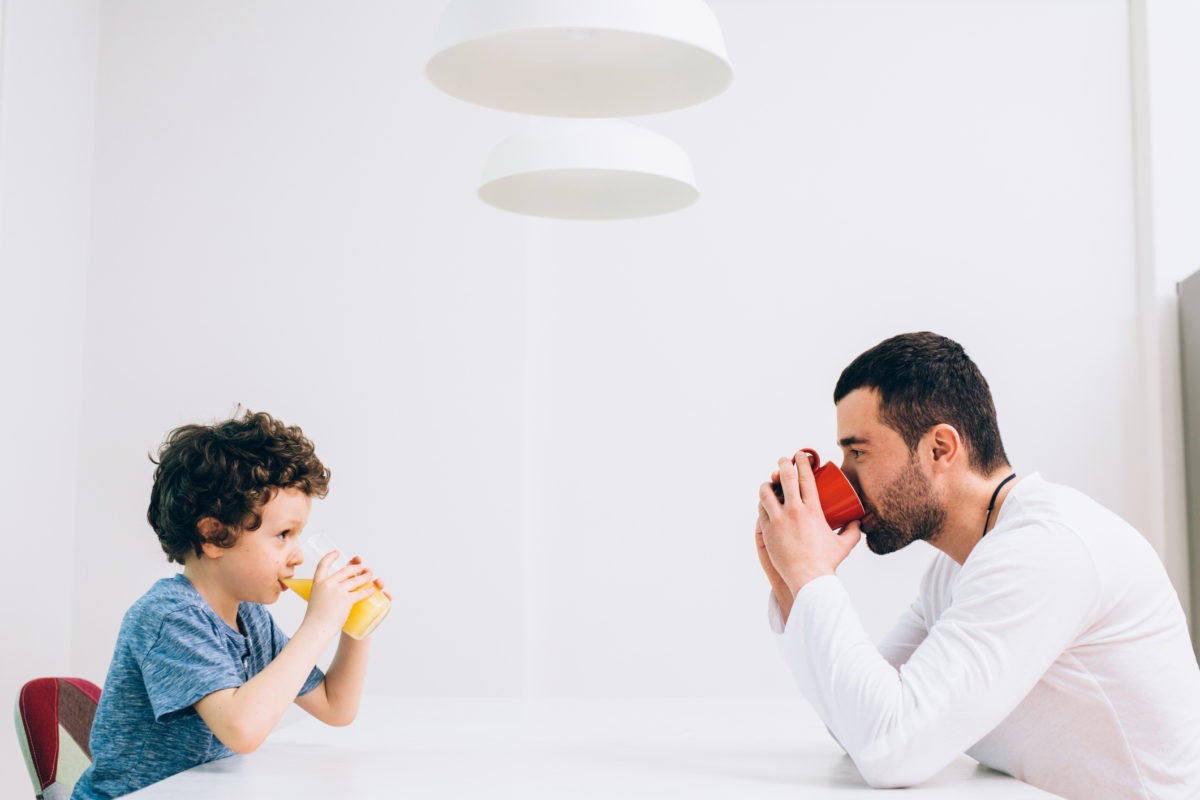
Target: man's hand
{"type": "Point", "coordinates": [783, 595]}
{"type": "Point", "coordinates": [797, 541]}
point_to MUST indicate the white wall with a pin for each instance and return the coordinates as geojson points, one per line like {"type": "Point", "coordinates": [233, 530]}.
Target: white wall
{"type": "Point", "coordinates": [281, 222]}
{"type": "Point", "coordinates": [876, 167]}
{"type": "Point", "coordinates": [47, 85]}
{"type": "Point", "coordinates": [548, 436]}
{"type": "Point", "coordinates": [1168, 119]}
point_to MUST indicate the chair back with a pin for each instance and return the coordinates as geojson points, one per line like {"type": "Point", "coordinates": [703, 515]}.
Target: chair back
{"type": "Point", "coordinates": [54, 722]}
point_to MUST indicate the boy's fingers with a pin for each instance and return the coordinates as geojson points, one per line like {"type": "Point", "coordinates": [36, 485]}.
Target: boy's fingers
{"type": "Point", "coordinates": [360, 578]}
{"type": "Point", "coordinates": [326, 562]}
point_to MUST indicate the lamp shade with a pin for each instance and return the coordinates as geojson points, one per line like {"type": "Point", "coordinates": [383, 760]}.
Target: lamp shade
{"type": "Point", "coordinates": [580, 58]}
{"type": "Point", "coordinates": [588, 169]}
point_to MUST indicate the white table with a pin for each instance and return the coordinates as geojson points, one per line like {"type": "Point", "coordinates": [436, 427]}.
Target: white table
{"type": "Point", "coordinates": [498, 748]}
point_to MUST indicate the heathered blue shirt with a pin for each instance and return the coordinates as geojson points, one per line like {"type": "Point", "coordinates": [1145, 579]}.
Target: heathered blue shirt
{"type": "Point", "coordinates": [172, 651]}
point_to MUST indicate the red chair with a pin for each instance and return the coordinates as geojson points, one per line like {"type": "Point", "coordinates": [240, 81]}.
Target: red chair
{"type": "Point", "coordinates": [54, 720]}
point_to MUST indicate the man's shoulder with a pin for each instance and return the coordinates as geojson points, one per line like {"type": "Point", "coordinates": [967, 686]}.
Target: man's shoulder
{"type": "Point", "coordinates": [1048, 513]}
{"type": "Point", "coordinates": [1035, 499]}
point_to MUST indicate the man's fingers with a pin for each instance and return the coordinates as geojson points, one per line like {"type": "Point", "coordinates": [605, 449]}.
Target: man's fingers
{"type": "Point", "coordinates": [788, 482]}
{"type": "Point", "coordinates": [768, 501]}
{"type": "Point", "coordinates": [763, 516]}
{"type": "Point", "coordinates": [808, 484]}
{"type": "Point", "coordinates": [850, 534]}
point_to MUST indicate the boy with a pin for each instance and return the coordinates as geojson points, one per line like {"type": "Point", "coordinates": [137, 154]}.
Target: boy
{"type": "Point", "coordinates": [201, 670]}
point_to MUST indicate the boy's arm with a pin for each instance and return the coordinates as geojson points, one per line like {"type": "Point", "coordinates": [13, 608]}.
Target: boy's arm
{"type": "Point", "coordinates": [335, 700]}
{"type": "Point", "coordinates": [241, 717]}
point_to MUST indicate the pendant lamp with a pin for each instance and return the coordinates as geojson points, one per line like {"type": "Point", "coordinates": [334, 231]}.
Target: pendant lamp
{"type": "Point", "coordinates": [580, 58]}
{"type": "Point", "coordinates": [588, 169]}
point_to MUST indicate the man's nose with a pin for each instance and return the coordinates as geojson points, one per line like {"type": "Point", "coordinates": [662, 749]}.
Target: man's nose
{"type": "Point", "coordinates": [851, 473]}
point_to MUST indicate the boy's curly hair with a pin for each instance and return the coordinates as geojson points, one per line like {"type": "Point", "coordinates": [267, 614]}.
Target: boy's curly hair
{"type": "Point", "coordinates": [227, 471]}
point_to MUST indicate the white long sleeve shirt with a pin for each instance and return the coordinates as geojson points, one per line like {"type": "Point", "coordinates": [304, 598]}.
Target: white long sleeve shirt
{"type": "Point", "coordinates": [1057, 653]}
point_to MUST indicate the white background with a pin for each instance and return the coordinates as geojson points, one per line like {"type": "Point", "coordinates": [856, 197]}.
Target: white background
{"type": "Point", "coordinates": [548, 436]}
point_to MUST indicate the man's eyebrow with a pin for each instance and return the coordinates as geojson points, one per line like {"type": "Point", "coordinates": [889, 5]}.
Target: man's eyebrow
{"type": "Point", "coordinates": [849, 440]}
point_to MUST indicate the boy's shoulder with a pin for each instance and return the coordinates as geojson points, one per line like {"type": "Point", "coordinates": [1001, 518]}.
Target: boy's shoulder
{"type": "Point", "coordinates": [173, 608]}
{"type": "Point", "coordinates": [167, 599]}
{"type": "Point", "coordinates": [168, 595]}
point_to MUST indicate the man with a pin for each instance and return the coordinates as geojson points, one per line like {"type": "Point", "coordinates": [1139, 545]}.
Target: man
{"type": "Point", "coordinates": [1046, 642]}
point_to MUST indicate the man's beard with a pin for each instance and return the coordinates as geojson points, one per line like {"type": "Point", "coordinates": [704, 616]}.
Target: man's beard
{"type": "Point", "coordinates": [911, 512]}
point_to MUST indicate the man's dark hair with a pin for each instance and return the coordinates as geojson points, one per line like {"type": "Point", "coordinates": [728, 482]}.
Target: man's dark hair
{"type": "Point", "coordinates": [923, 380]}
{"type": "Point", "coordinates": [227, 471]}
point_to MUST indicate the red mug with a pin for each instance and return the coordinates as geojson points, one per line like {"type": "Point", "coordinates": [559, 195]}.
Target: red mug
{"type": "Point", "coordinates": [839, 501]}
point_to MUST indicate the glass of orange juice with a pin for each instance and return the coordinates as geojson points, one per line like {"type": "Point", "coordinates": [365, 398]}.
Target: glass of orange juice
{"type": "Point", "coordinates": [365, 615]}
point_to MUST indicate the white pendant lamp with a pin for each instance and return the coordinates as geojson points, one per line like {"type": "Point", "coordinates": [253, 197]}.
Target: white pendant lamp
{"type": "Point", "coordinates": [580, 58]}
{"type": "Point", "coordinates": [588, 169]}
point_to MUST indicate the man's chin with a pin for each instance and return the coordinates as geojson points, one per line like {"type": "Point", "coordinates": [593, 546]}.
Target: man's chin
{"type": "Point", "coordinates": [884, 542]}
{"type": "Point", "coordinates": [877, 548]}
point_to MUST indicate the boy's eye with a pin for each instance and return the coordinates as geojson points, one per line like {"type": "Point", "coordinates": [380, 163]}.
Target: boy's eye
{"type": "Point", "coordinates": [284, 534]}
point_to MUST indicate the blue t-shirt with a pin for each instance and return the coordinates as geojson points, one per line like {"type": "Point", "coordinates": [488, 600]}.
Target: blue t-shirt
{"type": "Point", "coordinates": [172, 651]}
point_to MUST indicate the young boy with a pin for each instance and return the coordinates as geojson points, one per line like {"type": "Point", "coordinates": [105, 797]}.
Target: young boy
{"type": "Point", "coordinates": [201, 670]}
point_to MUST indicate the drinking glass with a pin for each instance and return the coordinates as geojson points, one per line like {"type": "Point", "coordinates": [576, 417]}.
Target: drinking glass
{"type": "Point", "coordinates": [365, 615]}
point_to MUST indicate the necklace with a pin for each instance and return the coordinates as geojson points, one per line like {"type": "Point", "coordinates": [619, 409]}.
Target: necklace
{"type": "Point", "coordinates": [992, 502]}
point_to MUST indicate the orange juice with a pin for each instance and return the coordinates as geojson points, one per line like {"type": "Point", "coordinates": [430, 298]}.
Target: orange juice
{"type": "Point", "coordinates": [365, 615]}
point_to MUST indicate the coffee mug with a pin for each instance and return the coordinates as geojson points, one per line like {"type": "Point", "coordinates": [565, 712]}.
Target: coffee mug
{"type": "Point", "coordinates": [839, 501]}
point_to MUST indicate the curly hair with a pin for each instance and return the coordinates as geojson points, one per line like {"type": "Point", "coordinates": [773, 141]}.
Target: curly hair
{"type": "Point", "coordinates": [227, 471]}
{"type": "Point", "coordinates": [925, 379]}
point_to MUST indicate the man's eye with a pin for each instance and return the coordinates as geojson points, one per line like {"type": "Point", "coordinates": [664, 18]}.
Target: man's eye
{"type": "Point", "coordinates": [856, 453]}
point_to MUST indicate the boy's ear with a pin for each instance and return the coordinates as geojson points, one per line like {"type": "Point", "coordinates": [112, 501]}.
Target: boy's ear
{"type": "Point", "coordinates": [210, 529]}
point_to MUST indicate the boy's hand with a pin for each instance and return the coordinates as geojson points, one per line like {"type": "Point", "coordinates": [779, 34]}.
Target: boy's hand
{"type": "Point", "coordinates": [334, 591]}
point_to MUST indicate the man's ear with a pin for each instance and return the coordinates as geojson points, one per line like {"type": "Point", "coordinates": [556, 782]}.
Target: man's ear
{"type": "Point", "coordinates": [210, 530]}
{"type": "Point", "coordinates": [945, 445]}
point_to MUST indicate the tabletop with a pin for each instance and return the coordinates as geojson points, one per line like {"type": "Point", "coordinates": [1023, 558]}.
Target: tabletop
{"type": "Point", "coordinates": [529, 748]}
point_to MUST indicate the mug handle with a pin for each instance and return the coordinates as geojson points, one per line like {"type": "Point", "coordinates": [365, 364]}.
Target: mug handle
{"type": "Point", "coordinates": [814, 460]}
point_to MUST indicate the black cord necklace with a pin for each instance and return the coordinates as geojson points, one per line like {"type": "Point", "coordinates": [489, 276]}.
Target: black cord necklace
{"type": "Point", "coordinates": [992, 502]}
